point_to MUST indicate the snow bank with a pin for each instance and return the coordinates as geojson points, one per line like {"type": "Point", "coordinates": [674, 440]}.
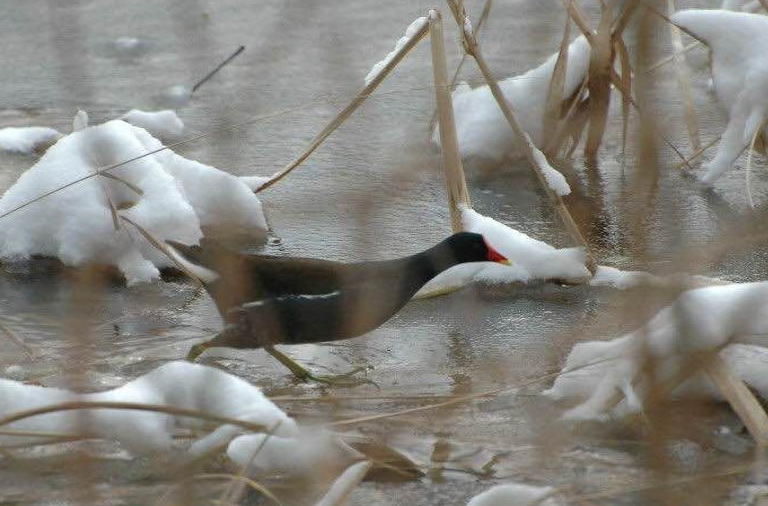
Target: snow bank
{"type": "Point", "coordinates": [515, 494]}
{"type": "Point", "coordinates": [482, 129]}
{"type": "Point", "coordinates": [177, 384]}
{"type": "Point", "coordinates": [529, 258]}
{"type": "Point", "coordinates": [27, 140]}
{"type": "Point", "coordinates": [555, 180]}
{"type": "Point", "coordinates": [337, 494]}
{"type": "Point", "coordinates": [740, 74]}
{"type": "Point", "coordinates": [412, 30]}
{"type": "Point", "coordinates": [180, 199]}
{"type": "Point", "coordinates": [701, 319]}
{"type": "Point", "coordinates": [163, 123]}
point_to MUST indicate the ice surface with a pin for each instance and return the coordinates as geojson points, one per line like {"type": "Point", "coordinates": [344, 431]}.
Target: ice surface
{"type": "Point", "coordinates": [180, 200]}
{"type": "Point", "coordinates": [481, 126]}
{"type": "Point", "coordinates": [700, 319]}
{"type": "Point", "coordinates": [740, 74]}
{"type": "Point", "coordinates": [530, 259]}
{"type": "Point", "coordinates": [27, 140]}
{"type": "Point", "coordinates": [515, 494]}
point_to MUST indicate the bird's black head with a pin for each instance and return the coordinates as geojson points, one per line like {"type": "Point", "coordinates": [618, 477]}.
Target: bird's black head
{"type": "Point", "coordinates": [471, 247]}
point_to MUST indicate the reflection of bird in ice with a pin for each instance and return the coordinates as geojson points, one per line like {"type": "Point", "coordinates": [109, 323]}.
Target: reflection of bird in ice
{"type": "Point", "coordinates": [271, 300]}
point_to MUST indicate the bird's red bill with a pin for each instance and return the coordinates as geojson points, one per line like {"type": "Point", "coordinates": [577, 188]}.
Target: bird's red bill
{"type": "Point", "coordinates": [495, 256]}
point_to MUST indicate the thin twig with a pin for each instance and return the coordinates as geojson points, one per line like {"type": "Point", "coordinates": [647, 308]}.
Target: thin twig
{"type": "Point", "coordinates": [218, 67]}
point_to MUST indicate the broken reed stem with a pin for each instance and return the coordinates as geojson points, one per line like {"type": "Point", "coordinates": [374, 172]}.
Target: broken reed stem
{"type": "Point", "coordinates": [684, 81]}
{"type": "Point", "coordinates": [218, 67]}
{"type": "Point", "coordinates": [350, 108]}
{"type": "Point", "coordinates": [698, 153]}
{"type": "Point", "coordinates": [671, 57]}
{"type": "Point", "coordinates": [456, 185]}
{"type": "Point", "coordinates": [233, 493]}
{"type": "Point", "coordinates": [470, 45]}
{"type": "Point", "coordinates": [741, 399]}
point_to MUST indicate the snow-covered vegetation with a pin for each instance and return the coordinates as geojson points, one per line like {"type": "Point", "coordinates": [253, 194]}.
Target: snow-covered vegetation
{"type": "Point", "coordinates": [168, 195]}
{"type": "Point", "coordinates": [482, 129]}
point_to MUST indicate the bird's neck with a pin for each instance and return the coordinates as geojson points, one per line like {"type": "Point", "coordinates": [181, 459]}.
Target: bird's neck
{"type": "Point", "coordinates": [426, 265]}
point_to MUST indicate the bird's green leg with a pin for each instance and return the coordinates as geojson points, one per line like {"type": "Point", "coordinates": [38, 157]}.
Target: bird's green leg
{"type": "Point", "coordinates": [305, 374]}
{"type": "Point", "coordinates": [197, 350]}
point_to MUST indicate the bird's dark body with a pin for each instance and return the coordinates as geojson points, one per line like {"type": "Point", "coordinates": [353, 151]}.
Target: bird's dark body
{"type": "Point", "coordinates": [271, 300]}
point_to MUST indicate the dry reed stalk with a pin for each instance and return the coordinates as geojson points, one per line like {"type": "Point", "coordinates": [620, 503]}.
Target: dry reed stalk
{"type": "Point", "coordinates": [242, 480]}
{"type": "Point", "coordinates": [626, 79]}
{"type": "Point", "coordinates": [553, 108]}
{"type": "Point", "coordinates": [600, 68]}
{"type": "Point", "coordinates": [18, 341]}
{"type": "Point", "coordinates": [217, 68]}
{"type": "Point", "coordinates": [698, 153]}
{"type": "Point", "coordinates": [684, 81]}
{"type": "Point", "coordinates": [740, 397]}
{"type": "Point", "coordinates": [470, 46]}
{"type": "Point", "coordinates": [480, 23]}
{"type": "Point", "coordinates": [236, 488]}
{"type": "Point", "coordinates": [350, 108]}
{"type": "Point", "coordinates": [456, 185]}
{"type": "Point", "coordinates": [671, 57]}
{"type": "Point", "coordinates": [748, 169]}
{"type": "Point", "coordinates": [130, 406]}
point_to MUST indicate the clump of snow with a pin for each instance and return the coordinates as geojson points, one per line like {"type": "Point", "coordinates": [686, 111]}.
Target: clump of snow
{"type": "Point", "coordinates": [343, 485]}
{"type": "Point", "coordinates": [610, 276]}
{"type": "Point", "coordinates": [80, 121]}
{"type": "Point", "coordinates": [701, 319]}
{"type": "Point", "coordinates": [412, 30]}
{"type": "Point", "coordinates": [27, 140]}
{"type": "Point", "coordinates": [165, 123]}
{"type": "Point", "coordinates": [179, 384]}
{"type": "Point", "coordinates": [178, 95]}
{"type": "Point", "coordinates": [515, 494]}
{"type": "Point", "coordinates": [529, 259]}
{"type": "Point", "coordinates": [483, 130]}
{"type": "Point", "coordinates": [740, 74]}
{"type": "Point", "coordinates": [555, 180]}
{"type": "Point", "coordinates": [180, 199]}
{"type": "Point", "coordinates": [129, 46]}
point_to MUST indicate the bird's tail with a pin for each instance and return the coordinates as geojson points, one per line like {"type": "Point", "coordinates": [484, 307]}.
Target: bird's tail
{"type": "Point", "coordinates": [193, 260]}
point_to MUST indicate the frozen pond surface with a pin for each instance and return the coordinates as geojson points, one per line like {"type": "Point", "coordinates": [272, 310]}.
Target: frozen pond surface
{"type": "Point", "coordinates": [373, 190]}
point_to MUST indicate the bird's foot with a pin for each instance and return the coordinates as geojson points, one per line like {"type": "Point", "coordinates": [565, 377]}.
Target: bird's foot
{"type": "Point", "coordinates": [196, 350]}
{"type": "Point", "coordinates": [340, 380]}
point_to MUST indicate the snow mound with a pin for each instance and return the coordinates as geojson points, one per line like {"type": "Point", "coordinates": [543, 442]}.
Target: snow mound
{"type": "Point", "coordinates": [163, 123]}
{"type": "Point", "coordinates": [529, 259]}
{"type": "Point", "coordinates": [27, 140]}
{"type": "Point", "coordinates": [740, 74]}
{"type": "Point", "coordinates": [515, 494]}
{"type": "Point", "coordinates": [412, 30]}
{"type": "Point", "coordinates": [481, 126]}
{"type": "Point", "coordinates": [701, 319]}
{"type": "Point", "coordinates": [180, 199]}
{"type": "Point", "coordinates": [176, 385]}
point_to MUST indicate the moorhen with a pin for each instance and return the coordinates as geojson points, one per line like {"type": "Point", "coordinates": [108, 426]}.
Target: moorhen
{"type": "Point", "coordinates": [267, 300]}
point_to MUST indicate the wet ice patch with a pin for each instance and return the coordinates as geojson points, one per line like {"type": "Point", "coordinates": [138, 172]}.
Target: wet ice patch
{"type": "Point", "coordinates": [740, 75]}
{"type": "Point", "coordinates": [530, 259]}
{"type": "Point", "coordinates": [170, 196]}
{"type": "Point", "coordinates": [623, 280]}
{"type": "Point", "coordinates": [699, 320]}
{"type": "Point", "coordinates": [165, 123]}
{"type": "Point", "coordinates": [412, 30]}
{"type": "Point", "coordinates": [27, 140]}
{"type": "Point", "coordinates": [483, 130]}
